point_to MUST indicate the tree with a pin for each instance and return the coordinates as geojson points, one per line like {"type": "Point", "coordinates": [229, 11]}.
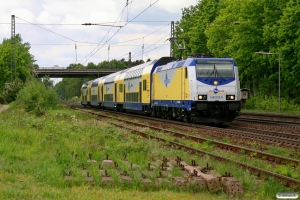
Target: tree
{"type": "Point", "coordinates": [288, 41]}
{"type": "Point", "coordinates": [48, 83]}
{"type": "Point", "coordinates": [91, 65]}
{"type": "Point", "coordinates": [241, 34]}
{"type": "Point", "coordinates": [23, 68]}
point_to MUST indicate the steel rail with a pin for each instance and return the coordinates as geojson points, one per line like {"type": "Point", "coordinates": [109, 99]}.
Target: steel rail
{"type": "Point", "coordinates": [289, 182]}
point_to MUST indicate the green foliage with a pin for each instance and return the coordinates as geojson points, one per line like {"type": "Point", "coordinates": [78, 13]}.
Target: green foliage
{"type": "Point", "coordinates": [69, 87]}
{"type": "Point", "coordinates": [238, 29]}
{"type": "Point", "coordinates": [23, 61]}
{"type": "Point", "coordinates": [271, 104]}
{"type": "Point", "coordinates": [10, 91]}
{"type": "Point", "coordinates": [47, 82]}
{"type": "Point", "coordinates": [37, 98]}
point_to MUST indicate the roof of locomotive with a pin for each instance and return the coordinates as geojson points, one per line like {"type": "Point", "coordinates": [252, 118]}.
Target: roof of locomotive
{"type": "Point", "coordinates": [190, 62]}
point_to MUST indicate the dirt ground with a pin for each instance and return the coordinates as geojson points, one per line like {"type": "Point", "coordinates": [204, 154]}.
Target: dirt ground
{"type": "Point", "coordinates": [4, 107]}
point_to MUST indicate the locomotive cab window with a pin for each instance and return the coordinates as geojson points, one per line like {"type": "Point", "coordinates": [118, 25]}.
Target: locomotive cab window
{"type": "Point", "coordinates": [215, 69]}
{"type": "Point", "coordinates": [186, 72]}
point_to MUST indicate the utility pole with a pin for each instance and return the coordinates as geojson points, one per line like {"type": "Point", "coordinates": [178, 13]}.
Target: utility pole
{"type": "Point", "coordinates": [129, 59]}
{"type": "Point", "coordinates": [143, 50]}
{"type": "Point", "coordinates": [75, 53]}
{"type": "Point", "coordinates": [13, 53]}
{"type": "Point", "coordinates": [108, 52]}
{"type": "Point", "coordinates": [171, 42]}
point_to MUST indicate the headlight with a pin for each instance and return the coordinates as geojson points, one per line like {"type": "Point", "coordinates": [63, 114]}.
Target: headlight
{"type": "Point", "coordinates": [230, 97]}
{"type": "Point", "coordinates": [216, 82]}
{"type": "Point", "coordinates": [202, 97]}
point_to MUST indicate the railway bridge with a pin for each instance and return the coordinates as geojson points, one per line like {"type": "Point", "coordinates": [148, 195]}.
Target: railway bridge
{"type": "Point", "coordinates": [60, 72]}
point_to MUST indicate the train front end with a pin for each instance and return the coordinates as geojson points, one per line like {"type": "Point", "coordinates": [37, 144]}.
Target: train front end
{"type": "Point", "coordinates": [216, 90]}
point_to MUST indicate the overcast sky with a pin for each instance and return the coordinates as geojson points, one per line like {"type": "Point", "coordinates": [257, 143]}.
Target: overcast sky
{"type": "Point", "coordinates": [53, 28]}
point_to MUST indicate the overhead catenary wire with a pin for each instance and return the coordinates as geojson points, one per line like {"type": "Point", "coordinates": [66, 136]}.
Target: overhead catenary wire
{"type": "Point", "coordinates": [150, 50]}
{"type": "Point", "coordinates": [47, 30]}
{"type": "Point", "coordinates": [82, 45]}
{"type": "Point", "coordinates": [91, 54]}
{"type": "Point", "coordinates": [98, 23]}
{"type": "Point", "coordinates": [54, 32]}
{"type": "Point", "coordinates": [113, 44]}
{"type": "Point", "coordinates": [143, 50]}
{"type": "Point", "coordinates": [143, 36]}
{"type": "Point", "coordinates": [139, 53]}
{"type": "Point", "coordinates": [144, 46]}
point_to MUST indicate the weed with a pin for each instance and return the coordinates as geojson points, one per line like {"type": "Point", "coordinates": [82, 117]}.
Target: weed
{"type": "Point", "coordinates": [226, 140]}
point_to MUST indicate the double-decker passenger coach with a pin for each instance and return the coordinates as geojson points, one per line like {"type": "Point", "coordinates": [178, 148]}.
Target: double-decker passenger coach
{"type": "Point", "coordinates": [195, 89]}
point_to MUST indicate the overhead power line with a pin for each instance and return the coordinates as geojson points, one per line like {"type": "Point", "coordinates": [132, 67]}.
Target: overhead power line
{"type": "Point", "coordinates": [90, 43]}
{"type": "Point", "coordinates": [82, 45]}
{"type": "Point", "coordinates": [143, 50]}
{"type": "Point", "coordinates": [47, 29]}
{"type": "Point", "coordinates": [93, 53]}
{"type": "Point", "coordinates": [101, 23]}
{"type": "Point", "coordinates": [150, 50]}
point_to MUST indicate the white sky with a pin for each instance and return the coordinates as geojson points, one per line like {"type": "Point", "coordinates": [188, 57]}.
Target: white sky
{"type": "Point", "coordinates": [63, 19]}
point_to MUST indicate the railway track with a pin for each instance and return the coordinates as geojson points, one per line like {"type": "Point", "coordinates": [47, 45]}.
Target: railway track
{"type": "Point", "coordinates": [275, 119]}
{"type": "Point", "coordinates": [255, 170]}
{"type": "Point", "coordinates": [261, 134]}
{"type": "Point", "coordinates": [282, 138]}
{"type": "Point", "coordinates": [270, 137]}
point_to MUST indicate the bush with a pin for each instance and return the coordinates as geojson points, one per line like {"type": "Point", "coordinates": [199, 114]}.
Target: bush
{"type": "Point", "coordinates": [37, 98]}
{"type": "Point", "coordinates": [10, 91]}
{"type": "Point", "coordinates": [271, 104]}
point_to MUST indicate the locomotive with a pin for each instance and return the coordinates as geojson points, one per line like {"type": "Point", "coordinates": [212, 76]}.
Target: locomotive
{"type": "Point", "coordinates": [195, 89]}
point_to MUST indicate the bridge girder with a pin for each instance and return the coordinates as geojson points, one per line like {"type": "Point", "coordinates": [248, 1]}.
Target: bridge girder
{"type": "Point", "coordinates": [73, 73]}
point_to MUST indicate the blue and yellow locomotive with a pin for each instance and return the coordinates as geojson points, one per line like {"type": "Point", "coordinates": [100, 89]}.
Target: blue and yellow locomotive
{"type": "Point", "coordinates": [195, 89]}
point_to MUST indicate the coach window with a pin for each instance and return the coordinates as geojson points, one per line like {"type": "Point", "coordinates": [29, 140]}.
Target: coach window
{"type": "Point", "coordinates": [144, 84]}
{"type": "Point", "coordinates": [121, 88]}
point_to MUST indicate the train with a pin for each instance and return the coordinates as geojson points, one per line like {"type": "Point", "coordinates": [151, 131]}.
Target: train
{"type": "Point", "coordinates": [204, 90]}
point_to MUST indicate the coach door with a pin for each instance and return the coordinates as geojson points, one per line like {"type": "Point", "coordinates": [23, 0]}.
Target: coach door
{"type": "Point", "coordinates": [124, 92]}
{"type": "Point", "coordinates": [98, 95]}
{"type": "Point", "coordinates": [102, 93]}
{"type": "Point", "coordinates": [184, 76]}
{"type": "Point", "coordinates": [140, 90]}
{"type": "Point", "coordinates": [116, 92]}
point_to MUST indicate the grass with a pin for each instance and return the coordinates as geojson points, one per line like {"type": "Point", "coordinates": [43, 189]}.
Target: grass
{"type": "Point", "coordinates": [270, 105]}
{"type": "Point", "coordinates": [36, 152]}
{"type": "Point", "coordinates": [208, 146]}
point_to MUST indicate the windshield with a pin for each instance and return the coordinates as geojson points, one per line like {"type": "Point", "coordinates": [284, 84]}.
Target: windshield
{"type": "Point", "coordinates": [205, 70]}
{"type": "Point", "coordinates": [215, 70]}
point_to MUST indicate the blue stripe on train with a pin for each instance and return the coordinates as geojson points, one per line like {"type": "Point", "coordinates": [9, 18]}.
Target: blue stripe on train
{"type": "Point", "coordinates": [221, 81]}
{"type": "Point", "coordinates": [129, 106]}
{"type": "Point", "coordinates": [109, 104]}
{"type": "Point", "coordinates": [134, 106]}
{"type": "Point", "coordinates": [173, 103]}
